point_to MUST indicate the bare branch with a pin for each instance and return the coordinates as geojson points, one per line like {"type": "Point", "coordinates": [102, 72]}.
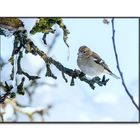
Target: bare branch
{"type": "Point", "coordinates": [29, 111]}
{"type": "Point", "coordinates": [118, 66]}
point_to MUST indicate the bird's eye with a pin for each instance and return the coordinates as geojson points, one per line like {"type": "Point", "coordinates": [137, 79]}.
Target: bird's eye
{"type": "Point", "coordinates": [84, 52]}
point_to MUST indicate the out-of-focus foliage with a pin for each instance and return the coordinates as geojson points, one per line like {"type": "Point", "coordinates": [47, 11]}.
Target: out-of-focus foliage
{"type": "Point", "coordinates": [9, 25]}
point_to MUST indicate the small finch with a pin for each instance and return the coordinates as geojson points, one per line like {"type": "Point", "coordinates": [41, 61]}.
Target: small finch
{"type": "Point", "coordinates": [91, 63]}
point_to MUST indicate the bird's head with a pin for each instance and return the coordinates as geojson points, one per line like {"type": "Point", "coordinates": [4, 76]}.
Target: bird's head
{"type": "Point", "coordinates": [84, 51]}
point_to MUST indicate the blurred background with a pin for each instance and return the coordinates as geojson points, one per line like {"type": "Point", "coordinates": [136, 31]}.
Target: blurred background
{"type": "Point", "coordinates": [61, 102]}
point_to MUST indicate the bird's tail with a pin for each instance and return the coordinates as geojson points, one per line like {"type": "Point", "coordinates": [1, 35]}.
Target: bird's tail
{"type": "Point", "coordinates": [115, 76]}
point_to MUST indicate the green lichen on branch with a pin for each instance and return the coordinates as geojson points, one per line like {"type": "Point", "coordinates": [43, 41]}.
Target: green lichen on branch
{"type": "Point", "coordinates": [29, 48]}
{"type": "Point", "coordinates": [45, 25]}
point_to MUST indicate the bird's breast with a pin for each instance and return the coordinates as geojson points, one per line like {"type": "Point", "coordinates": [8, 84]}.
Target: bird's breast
{"type": "Point", "coordinates": [89, 66]}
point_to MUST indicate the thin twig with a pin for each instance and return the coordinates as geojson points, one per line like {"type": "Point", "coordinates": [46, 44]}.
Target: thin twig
{"type": "Point", "coordinates": [118, 66]}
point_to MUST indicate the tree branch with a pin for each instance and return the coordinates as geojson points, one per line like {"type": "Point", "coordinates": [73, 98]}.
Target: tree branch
{"type": "Point", "coordinates": [29, 111]}
{"type": "Point", "coordinates": [72, 73]}
{"type": "Point", "coordinates": [118, 66]}
{"type": "Point", "coordinates": [23, 43]}
{"type": "Point", "coordinates": [20, 70]}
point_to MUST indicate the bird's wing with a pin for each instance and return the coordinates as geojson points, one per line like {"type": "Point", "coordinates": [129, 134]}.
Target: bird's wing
{"type": "Point", "coordinates": [96, 56]}
{"type": "Point", "coordinates": [100, 61]}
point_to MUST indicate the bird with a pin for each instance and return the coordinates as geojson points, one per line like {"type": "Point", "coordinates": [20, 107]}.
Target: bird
{"type": "Point", "coordinates": [91, 63]}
